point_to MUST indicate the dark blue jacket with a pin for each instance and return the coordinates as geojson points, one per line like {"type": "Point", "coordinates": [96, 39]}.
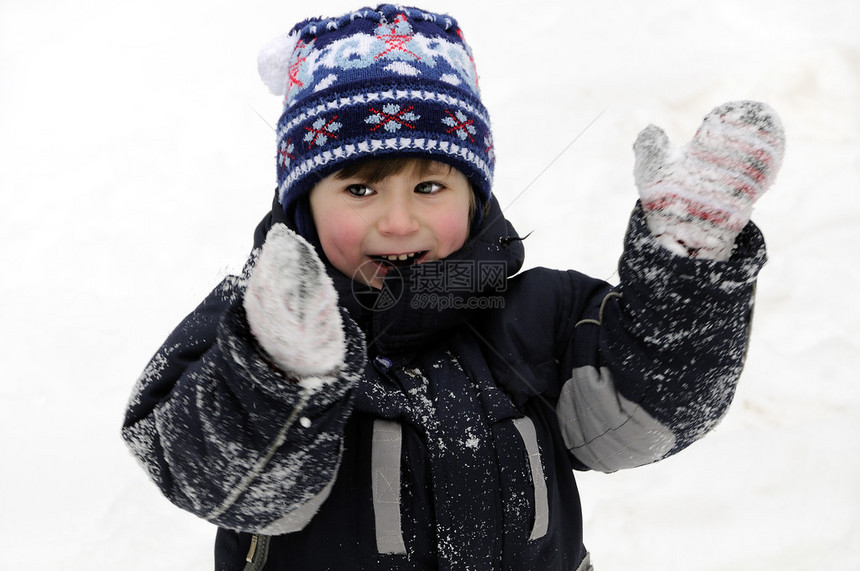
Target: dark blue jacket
{"type": "Point", "coordinates": [450, 438]}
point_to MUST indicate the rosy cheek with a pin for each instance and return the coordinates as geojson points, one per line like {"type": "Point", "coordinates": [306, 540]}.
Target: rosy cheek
{"type": "Point", "coordinates": [341, 242]}
{"type": "Point", "coordinates": [452, 233]}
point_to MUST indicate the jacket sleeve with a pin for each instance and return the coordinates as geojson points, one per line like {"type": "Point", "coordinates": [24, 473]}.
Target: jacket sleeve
{"type": "Point", "coordinates": [651, 366]}
{"type": "Point", "coordinates": [225, 435]}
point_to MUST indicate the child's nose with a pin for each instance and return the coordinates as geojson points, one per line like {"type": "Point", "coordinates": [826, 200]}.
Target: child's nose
{"type": "Point", "coordinates": [398, 219]}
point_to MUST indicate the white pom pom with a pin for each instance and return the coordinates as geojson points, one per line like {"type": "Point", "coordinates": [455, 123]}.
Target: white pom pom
{"type": "Point", "coordinates": [273, 62]}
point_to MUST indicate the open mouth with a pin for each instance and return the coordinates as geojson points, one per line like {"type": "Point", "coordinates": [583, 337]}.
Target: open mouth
{"type": "Point", "coordinates": [400, 260]}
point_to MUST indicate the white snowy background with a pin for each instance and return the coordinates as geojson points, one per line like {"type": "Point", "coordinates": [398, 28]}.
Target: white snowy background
{"type": "Point", "coordinates": [137, 154]}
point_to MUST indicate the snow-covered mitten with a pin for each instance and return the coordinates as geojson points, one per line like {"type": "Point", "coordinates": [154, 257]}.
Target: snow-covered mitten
{"type": "Point", "coordinates": [292, 309]}
{"type": "Point", "coordinates": [698, 198]}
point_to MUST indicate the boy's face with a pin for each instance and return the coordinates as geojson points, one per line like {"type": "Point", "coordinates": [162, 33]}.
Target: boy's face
{"type": "Point", "coordinates": [415, 216]}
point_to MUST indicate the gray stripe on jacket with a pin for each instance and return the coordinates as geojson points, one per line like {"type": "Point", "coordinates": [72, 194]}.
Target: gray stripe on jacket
{"type": "Point", "coordinates": [604, 430]}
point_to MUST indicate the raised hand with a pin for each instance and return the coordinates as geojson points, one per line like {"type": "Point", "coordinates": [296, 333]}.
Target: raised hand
{"type": "Point", "coordinates": [698, 198]}
{"type": "Point", "coordinates": [291, 306]}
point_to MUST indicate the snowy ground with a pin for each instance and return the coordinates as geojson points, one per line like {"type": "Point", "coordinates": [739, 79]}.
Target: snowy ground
{"type": "Point", "coordinates": [136, 155]}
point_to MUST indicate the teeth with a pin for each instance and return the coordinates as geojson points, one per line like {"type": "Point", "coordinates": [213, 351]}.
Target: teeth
{"type": "Point", "coordinates": [400, 257]}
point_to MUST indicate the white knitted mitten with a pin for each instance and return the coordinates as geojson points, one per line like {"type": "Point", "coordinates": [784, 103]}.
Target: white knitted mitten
{"type": "Point", "coordinates": [291, 305]}
{"type": "Point", "coordinates": [698, 198]}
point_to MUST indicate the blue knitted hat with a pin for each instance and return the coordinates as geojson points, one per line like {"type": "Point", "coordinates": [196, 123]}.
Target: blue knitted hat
{"type": "Point", "coordinates": [389, 81]}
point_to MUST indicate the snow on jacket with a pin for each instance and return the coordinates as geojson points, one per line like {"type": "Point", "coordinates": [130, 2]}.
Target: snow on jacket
{"type": "Point", "coordinates": [449, 438]}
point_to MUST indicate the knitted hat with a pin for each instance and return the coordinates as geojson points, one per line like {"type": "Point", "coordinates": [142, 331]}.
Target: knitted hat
{"type": "Point", "coordinates": [389, 81]}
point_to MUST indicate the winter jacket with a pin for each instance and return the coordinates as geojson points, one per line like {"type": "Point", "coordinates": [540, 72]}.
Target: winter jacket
{"type": "Point", "coordinates": [450, 437]}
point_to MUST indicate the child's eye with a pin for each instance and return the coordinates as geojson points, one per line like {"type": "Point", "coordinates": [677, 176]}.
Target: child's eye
{"type": "Point", "coordinates": [360, 190]}
{"type": "Point", "coordinates": [428, 187]}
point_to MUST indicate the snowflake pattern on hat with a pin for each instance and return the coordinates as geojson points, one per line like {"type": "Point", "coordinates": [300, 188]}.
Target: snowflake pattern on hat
{"type": "Point", "coordinates": [460, 125]}
{"type": "Point", "coordinates": [319, 133]}
{"type": "Point", "coordinates": [395, 37]}
{"type": "Point", "coordinates": [490, 149]}
{"type": "Point", "coordinates": [392, 118]}
{"type": "Point", "coordinates": [300, 56]}
{"type": "Point", "coordinates": [285, 153]}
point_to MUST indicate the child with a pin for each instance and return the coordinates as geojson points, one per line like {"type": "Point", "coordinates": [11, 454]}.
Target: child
{"type": "Point", "coordinates": [379, 390]}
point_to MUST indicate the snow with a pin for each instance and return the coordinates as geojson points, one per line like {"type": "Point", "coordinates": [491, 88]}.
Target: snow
{"type": "Point", "coordinates": [138, 154]}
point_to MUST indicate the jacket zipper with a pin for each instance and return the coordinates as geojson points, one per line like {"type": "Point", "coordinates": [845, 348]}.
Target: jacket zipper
{"type": "Point", "coordinates": [258, 552]}
{"type": "Point", "coordinates": [250, 557]}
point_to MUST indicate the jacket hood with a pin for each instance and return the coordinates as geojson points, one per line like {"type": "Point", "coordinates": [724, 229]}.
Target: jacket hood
{"type": "Point", "coordinates": [422, 303]}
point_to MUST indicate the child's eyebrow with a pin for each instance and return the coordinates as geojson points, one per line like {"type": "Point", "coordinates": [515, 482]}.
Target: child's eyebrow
{"type": "Point", "coordinates": [436, 169]}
